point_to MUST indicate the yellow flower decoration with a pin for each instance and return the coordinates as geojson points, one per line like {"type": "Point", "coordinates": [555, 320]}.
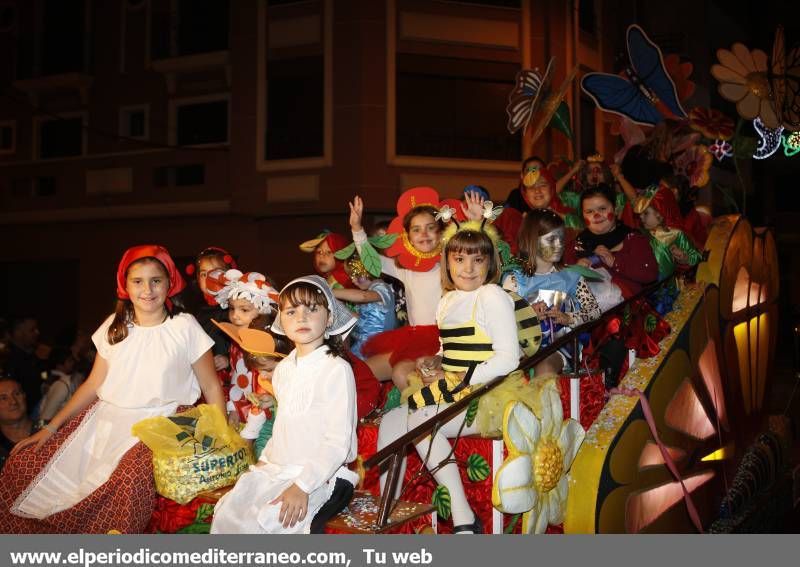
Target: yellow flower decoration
{"type": "Point", "coordinates": [534, 480]}
{"type": "Point", "coordinates": [742, 76]}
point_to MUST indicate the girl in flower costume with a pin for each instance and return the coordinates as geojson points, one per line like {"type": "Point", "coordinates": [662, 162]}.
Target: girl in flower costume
{"type": "Point", "coordinates": [323, 247]}
{"type": "Point", "coordinates": [661, 218]}
{"type": "Point", "coordinates": [560, 296]}
{"type": "Point", "coordinates": [262, 353]}
{"type": "Point", "coordinates": [479, 342]}
{"type": "Point", "coordinates": [414, 259]}
{"type": "Point", "coordinates": [251, 303]}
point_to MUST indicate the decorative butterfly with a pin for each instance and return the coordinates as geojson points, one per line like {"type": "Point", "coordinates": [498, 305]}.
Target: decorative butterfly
{"type": "Point", "coordinates": [524, 98]}
{"type": "Point", "coordinates": [648, 95]}
{"type": "Point", "coordinates": [784, 77]}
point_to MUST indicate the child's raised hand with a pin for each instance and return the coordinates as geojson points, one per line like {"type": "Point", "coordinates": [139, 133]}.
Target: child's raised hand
{"type": "Point", "coordinates": [294, 506]}
{"type": "Point", "coordinates": [540, 307]}
{"type": "Point", "coordinates": [356, 214]}
{"type": "Point", "coordinates": [472, 206]}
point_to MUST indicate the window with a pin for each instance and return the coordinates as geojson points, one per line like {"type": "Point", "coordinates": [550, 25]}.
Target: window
{"type": "Point", "coordinates": [195, 27]}
{"type": "Point", "coordinates": [8, 137]}
{"type": "Point", "coordinates": [61, 137]}
{"type": "Point", "coordinates": [201, 123]}
{"type": "Point", "coordinates": [63, 41]}
{"type": "Point", "coordinates": [454, 108]}
{"type": "Point", "coordinates": [134, 122]}
{"type": "Point", "coordinates": [179, 175]}
{"type": "Point", "coordinates": [295, 108]}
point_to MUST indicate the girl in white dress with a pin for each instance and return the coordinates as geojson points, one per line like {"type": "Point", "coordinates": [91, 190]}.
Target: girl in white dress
{"type": "Point", "coordinates": [314, 434]}
{"type": "Point", "coordinates": [85, 472]}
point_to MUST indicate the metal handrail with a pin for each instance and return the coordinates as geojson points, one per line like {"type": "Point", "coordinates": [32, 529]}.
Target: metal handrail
{"type": "Point", "coordinates": [392, 452]}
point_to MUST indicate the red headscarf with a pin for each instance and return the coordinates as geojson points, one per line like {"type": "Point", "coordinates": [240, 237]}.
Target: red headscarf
{"type": "Point", "coordinates": [176, 283]}
{"type": "Point", "coordinates": [663, 201]}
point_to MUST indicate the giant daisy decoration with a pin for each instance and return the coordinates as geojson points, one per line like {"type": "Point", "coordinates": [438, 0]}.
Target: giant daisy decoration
{"type": "Point", "coordinates": [533, 479]}
{"type": "Point", "coordinates": [742, 76]}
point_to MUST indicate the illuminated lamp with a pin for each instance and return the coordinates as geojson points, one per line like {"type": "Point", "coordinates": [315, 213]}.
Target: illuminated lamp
{"type": "Point", "coordinates": [685, 413]}
{"type": "Point", "coordinates": [647, 506]}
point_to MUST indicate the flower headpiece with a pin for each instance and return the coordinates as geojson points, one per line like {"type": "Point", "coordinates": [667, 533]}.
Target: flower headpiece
{"type": "Point", "coordinates": [335, 242]}
{"type": "Point", "coordinates": [251, 286]}
{"type": "Point", "coordinates": [402, 249]}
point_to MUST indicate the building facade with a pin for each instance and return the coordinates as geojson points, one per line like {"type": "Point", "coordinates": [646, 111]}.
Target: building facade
{"type": "Point", "coordinates": [250, 124]}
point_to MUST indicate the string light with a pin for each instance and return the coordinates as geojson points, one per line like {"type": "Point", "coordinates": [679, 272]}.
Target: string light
{"type": "Point", "coordinates": [770, 139]}
{"type": "Point", "coordinates": [791, 144]}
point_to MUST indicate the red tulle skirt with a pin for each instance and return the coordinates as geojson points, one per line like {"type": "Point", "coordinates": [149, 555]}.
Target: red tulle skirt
{"type": "Point", "coordinates": [405, 343]}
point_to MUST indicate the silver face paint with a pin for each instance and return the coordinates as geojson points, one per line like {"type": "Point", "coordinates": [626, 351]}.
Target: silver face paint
{"type": "Point", "coordinates": [550, 246]}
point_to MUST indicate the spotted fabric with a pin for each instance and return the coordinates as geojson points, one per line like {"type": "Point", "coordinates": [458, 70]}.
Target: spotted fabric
{"type": "Point", "coordinates": [124, 503]}
{"type": "Point", "coordinates": [589, 309]}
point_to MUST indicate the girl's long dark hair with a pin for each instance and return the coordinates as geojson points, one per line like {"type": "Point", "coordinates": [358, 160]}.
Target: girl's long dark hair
{"type": "Point", "coordinates": [304, 293]}
{"type": "Point", "coordinates": [124, 314]}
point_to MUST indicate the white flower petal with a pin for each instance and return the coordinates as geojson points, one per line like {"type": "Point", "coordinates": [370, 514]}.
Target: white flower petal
{"type": "Point", "coordinates": [555, 513]}
{"type": "Point", "coordinates": [541, 519]}
{"type": "Point", "coordinates": [732, 92]}
{"type": "Point", "coordinates": [749, 107]}
{"type": "Point", "coordinates": [729, 60]}
{"type": "Point", "coordinates": [572, 435]}
{"type": "Point", "coordinates": [552, 413]}
{"type": "Point", "coordinates": [522, 429]}
{"type": "Point", "coordinates": [744, 56]}
{"type": "Point", "coordinates": [514, 490]}
{"type": "Point", "coordinates": [726, 75]}
{"type": "Point", "coordinates": [529, 521]}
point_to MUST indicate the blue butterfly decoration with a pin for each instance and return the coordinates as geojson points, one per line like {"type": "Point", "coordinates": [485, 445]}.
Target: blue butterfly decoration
{"type": "Point", "coordinates": [648, 95]}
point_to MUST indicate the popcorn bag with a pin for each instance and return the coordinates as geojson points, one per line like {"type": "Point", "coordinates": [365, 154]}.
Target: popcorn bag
{"type": "Point", "coordinates": [194, 451]}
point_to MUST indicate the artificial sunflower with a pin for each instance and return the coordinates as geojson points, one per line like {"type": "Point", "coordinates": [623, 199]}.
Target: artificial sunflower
{"type": "Point", "coordinates": [534, 479]}
{"type": "Point", "coordinates": [742, 76]}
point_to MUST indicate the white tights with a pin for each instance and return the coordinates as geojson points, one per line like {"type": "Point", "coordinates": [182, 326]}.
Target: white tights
{"type": "Point", "coordinates": [398, 422]}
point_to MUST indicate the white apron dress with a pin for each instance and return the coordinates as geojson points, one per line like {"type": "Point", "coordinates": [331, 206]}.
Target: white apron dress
{"type": "Point", "coordinates": [313, 439]}
{"type": "Point", "coordinates": [149, 374]}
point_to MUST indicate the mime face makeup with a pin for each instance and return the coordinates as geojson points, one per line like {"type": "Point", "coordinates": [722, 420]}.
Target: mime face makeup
{"type": "Point", "coordinates": [550, 246]}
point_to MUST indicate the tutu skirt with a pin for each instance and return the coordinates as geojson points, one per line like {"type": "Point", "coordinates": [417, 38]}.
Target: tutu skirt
{"type": "Point", "coordinates": [404, 343]}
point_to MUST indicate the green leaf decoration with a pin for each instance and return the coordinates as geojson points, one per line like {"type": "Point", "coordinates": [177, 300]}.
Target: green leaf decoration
{"type": "Point", "coordinates": [382, 241]}
{"type": "Point", "coordinates": [392, 399]}
{"type": "Point", "coordinates": [560, 120]}
{"type": "Point", "coordinates": [472, 411]}
{"type": "Point", "coordinates": [371, 259]}
{"type": "Point", "coordinates": [477, 468]}
{"type": "Point", "coordinates": [626, 315]}
{"type": "Point", "coordinates": [650, 323]}
{"type": "Point", "coordinates": [512, 524]}
{"type": "Point", "coordinates": [441, 501]}
{"type": "Point", "coordinates": [195, 528]}
{"type": "Point", "coordinates": [204, 512]}
{"type": "Point", "coordinates": [345, 252]}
